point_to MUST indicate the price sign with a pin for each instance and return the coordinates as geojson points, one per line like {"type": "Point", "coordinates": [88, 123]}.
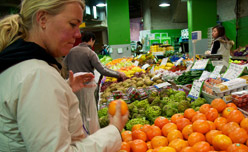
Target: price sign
{"type": "Point", "coordinates": [205, 75]}
{"type": "Point", "coordinates": [152, 70]}
{"type": "Point", "coordinates": [139, 56]}
{"type": "Point", "coordinates": [234, 71]}
{"type": "Point", "coordinates": [162, 85]}
{"type": "Point", "coordinates": [178, 61]}
{"type": "Point", "coordinates": [195, 91]}
{"type": "Point", "coordinates": [200, 64]}
{"type": "Point", "coordinates": [136, 63]}
{"type": "Point", "coordinates": [145, 66]}
{"type": "Point", "coordinates": [164, 61]}
{"type": "Point", "coordinates": [216, 73]}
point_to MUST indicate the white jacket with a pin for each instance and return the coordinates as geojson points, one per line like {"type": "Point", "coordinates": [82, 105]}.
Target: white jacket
{"type": "Point", "coordinates": [39, 113]}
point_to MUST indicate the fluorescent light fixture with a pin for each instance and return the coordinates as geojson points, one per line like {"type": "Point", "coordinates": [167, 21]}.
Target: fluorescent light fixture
{"type": "Point", "coordinates": [94, 12]}
{"type": "Point", "coordinates": [87, 10]}
{"type": "Point", "coordinates": [164, 5]}
{"type": "Point", "coordinates": [101, 5]}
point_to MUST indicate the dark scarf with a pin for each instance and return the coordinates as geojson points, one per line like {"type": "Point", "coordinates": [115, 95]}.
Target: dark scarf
{"type": "Point", "coordinates": [20, 51]}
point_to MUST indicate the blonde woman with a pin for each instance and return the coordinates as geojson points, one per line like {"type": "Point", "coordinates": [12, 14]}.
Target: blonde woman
{"type": "Point", "coordinates": [38, 109]}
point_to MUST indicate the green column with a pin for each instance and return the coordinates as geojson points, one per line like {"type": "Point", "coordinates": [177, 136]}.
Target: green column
{"type": "Point", "coordinates": [118, 22]}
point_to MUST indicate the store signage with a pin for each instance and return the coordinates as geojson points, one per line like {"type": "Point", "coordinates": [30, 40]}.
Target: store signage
{"type": "Point", "coordinates": [200, 64]}
{"type": "Point", "coordinates": [136, 63]}
{"type": "Point", "coordinates": [152, 70]}
{"type": "Point", "coordinates": [233, 71]}
{"type": "Point", "coordinates": [205, 75]}
{"type": "Point", "coordinates": [196, 88]}
{"type": "Point", "coordinates": [178, 61]}
{"type": "Point", "coordinates": [216, 73]}
{"type": "Point", "coordinates": [164, 61]}
{"type": "Point", "coordinates": [162, 85]}
{"type": "Point", "coordinates": [145, 66]}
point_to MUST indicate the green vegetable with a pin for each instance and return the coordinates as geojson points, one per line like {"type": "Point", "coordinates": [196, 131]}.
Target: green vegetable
{"type": "Point", "coordinates": [104, 121]}
{"type": "Point", "coordinates": [152, 112]}
{"type": "Point", "coordinates": [135, 121]}
{"type": "Point", "coordinates": [198, 102]}
{"type": "Point", "coordinates": [183, 105]}
{"type": "Point", "coordinates": [102, 112]}
{"type": "Point", "coordinates": [168, 111]}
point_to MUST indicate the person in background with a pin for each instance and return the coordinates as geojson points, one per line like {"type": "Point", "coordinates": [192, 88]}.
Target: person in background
{"type": "Point", "coordinates": [104, 50]}
{"type": "Point", "coordinates": [38, 109]}
{"type": "Point", "coordinates": [138, 48]}
{"type": "Point", "coordinates": [82, 59]}
{"type": "Point", "coordinates": [221, 44]}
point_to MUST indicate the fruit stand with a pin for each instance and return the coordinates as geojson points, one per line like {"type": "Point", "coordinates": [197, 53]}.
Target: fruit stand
{"type": "Point", "coordinates": [177, 108]}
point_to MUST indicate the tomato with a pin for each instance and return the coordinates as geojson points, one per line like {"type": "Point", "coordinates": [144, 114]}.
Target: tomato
{"type": "Point", "coordinates": [112, 107]}
{"type": "Point", "coordinates": [153, 131]}
{"type": "Point", "coordinates": [126, 136]}
{"type": "Point", "coordinates": [138, 146]}
{"type": "Point", "coordinates": [138, 134]}
{"type": "Point", "coordinates": [160, 122]}
{"type": "Point", "coordinates": [125, 146]}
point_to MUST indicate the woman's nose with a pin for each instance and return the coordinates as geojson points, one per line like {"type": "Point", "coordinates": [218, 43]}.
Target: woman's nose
{"type": "Point", "coordinates": [78, 34]}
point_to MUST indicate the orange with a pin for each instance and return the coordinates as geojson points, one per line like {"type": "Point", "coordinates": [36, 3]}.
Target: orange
{"type": "Point", "coordinates": [174, 134]}
{"type": "Point", "coordinates": [153, 131]}
{"type": "Point", "coordinates": [145, 128]}
{"type": "Point", "coordinates": [126, 136]}
{"type": "Point", "coordinates": [175, 117]}
{"type": "Point", "coordinates": [178, 144]}
{"type": "Point", "coordinates": [237, 147]}
{"type": "Point", "coordinates": [160, 122]}
{"type": "Point", "coordinates": [238, 135]}
{"type": "Point", "coordinates": [204, 108]}
{"type": "Point", "coordinates": [168, 128]}
{"type": "Point", "coordinates": [235, 116]}
{"type": "Point", "coordinates": [138, 134]}
{"type": "Point", "coordinates": [212, 114]}
{"type": "Point", "coordinates": [137, 127]}
{"type": "Point", "coordinates": [211, 125]}
{"type": "Point", "coordinates": [230, 104]}
{"type": "Point", "coordinates": [189, 113]}
{"type": "Point", "coordinates": [219, 122]}
{"type": "Point", "coordinates": [201, 146]}
{"type": "Point", "coordinates": [149, 150]}
{"type": "Point", "coordinates": [227, 111]}
{"type": "Point", "coordinates": [221, 142]}
{"type": "Point", "coordinates": [201, 126]}
{"type": "Point", "coordinates": [187, 130]}
{"type": "Point", "coordinates": [229, 127]}
{"type": "Point", "coordinates": [125, 146]}
{"type": "Point", "coordinates": [138, 146]}
{"type": "Point", "coordinates": [159, 141]}
{"type": "Point", "coordinates": [244, 124]}
{"type": "Point", "coordinates": [181, 123]}
{"type": "Point", "coordinates": [187, 149]}
{"type": "Point", "coordinates": [218, 104]}
{"type": "Point", "coordinates": [211, 134]}
{"type": "Point", "coordinates": [149, 145]}
{"type": "Point", "coordinates": [195, 137]}
{"type": "Point", "coordinates": [199, 116]}
{"type": "Point", "coordinates": [166, 149]}
{"type": "Point", "coordinates": [112, 107]}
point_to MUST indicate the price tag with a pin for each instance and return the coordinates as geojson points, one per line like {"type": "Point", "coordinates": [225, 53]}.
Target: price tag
{"type": "Point", "coordinates": [189, 67]}
{"type": "Point", "coordinates": [178, 61]}
{"type": "Point", "coordinates": [139, 56]}
{"type": "Point", "coordinates": [162, 85]}
{"type": "Point", "coordinates": [234, 71]}
{"type": "Point", "coordinates": [136, 63]}
{"type": "Point", "coordinates": [195, 90]}
{"type": "Point", "coordinates": [164, 61]}
{"type": "Point", "coordinates": [205, 75]}
{"type": "Point", "coordinates": [152, 70]}
{"type": "Point", "coordinates": [157, 75]}
{"type": "Point", "coordinates": [155, 59]}
{"type": "Point", "coordinates": [145, 66]}
{"type": "Point", "coordinates": [216, 73]}
{"type": "Point", "coordinates": [200, 64]}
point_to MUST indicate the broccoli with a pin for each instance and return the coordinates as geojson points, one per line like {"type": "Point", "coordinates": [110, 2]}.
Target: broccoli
{"type": "Point", "coordinates": [135, 121]}
{"type": "Point", "coordinates": [152, 112]}
{"type": "Point", "coordinates": [183, 105]}
{"type": "Point", "coordinates": [104, 121]}
{"type": "Point", "coordinates": [102, 112]}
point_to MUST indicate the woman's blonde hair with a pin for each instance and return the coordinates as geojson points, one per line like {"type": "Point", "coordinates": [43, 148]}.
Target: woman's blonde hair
{"type": "Point", "coordinates": [16, 26]}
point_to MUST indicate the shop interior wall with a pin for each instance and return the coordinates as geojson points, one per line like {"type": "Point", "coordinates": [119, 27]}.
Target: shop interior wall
{"type": "Point", "coordinates": [226, 10]}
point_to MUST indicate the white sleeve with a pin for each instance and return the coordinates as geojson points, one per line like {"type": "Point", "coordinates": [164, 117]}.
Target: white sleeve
{"type": "Point", "coordinates": [49, 119]}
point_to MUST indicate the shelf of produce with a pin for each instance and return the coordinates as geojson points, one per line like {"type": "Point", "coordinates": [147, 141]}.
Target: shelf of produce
{"type": "Point", "coordinates": [239, 58]}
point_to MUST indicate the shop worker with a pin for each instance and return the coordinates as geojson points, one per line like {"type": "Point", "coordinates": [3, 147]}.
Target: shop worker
{"type": "Point", "coordinates": [83, 59]}
{"type": "Point", "coordinates": [221, 44]}
{"type": "Point", "coordinates": [38, 109]}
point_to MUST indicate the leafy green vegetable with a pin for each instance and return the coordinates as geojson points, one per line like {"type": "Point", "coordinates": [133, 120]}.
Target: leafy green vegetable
{"type": "Point", "coordinates": [102, 112]}
{"type": "Point", "coordinates": [135, 121]}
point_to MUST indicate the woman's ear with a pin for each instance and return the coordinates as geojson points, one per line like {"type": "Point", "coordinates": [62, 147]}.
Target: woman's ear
{"type": "Point", "coordinates": [41, 19]}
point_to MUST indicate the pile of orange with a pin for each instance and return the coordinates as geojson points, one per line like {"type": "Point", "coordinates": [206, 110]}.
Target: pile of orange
{"type": "Point", "coordinates": [216, 127]}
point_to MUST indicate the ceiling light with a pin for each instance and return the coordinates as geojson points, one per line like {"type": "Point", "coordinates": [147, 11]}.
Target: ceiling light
{"type": "Point", "coordinates": [101, 5]}
{"type": "Point", "coordinates": [164, 5]}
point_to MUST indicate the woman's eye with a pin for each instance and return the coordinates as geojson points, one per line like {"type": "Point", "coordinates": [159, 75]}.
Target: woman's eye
{"type": "Point", "coordinates": [73, 25]}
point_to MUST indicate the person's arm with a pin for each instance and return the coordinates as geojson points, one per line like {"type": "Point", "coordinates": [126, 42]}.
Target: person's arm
{"type": "Point", "coordinates": [216, 47]}
{"type": "Point", "coordinates": [49, 119]}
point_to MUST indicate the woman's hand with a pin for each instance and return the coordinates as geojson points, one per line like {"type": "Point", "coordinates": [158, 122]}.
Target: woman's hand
{"type": "Point", "coordinates": [118, 120]}
{"type": "Point", "coordinates": [122, 75]}
{"type": "Point", "coordinates": [80, 80]}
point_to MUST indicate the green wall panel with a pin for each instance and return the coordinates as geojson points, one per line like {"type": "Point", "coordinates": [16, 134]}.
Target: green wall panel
{"type": "Point", "coordinates": [173, 33]}
{"type": "Point", "coordinates": [118, 22]}
{"type": "Point", "coordinates": [243, 30]}
{"type": "Point", "coordinates": [230, 28]}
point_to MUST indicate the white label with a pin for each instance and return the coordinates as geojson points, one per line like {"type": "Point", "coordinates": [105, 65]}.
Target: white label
{"type": "Point", "coordinates": [204, 76]}
{"type": "Point", "coordinates": [157, 75]}
{"type": "Point", "coordinates": [178, 62]}
{"type": "Point", "coordinates": [152, 70]}
{"type": "Point", "coordinates": [195, 90]}
{"type": "Point", "coordinates": [136, 63]}
{"type": "Point", "coordinates": [161, 85]}
{"type": "Point", "coordinates": [139, 56]}
{"type": "Point", "coordinates": [189, 67]}
{"type": "Point", "coordinates": [119, 50]}
{"type": "Point", "coordinates": [110, 50]}
{"type": "Point", "coordinates": [216, 72]}
{"type": "Point", "coordinates": [145, 66]}
{"type": "Point", "coordinates": [164, 61]}
{"type": "Point", "coordinates": [200, 64]}
{"type": "Point", "coordinates": [234, 71]}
